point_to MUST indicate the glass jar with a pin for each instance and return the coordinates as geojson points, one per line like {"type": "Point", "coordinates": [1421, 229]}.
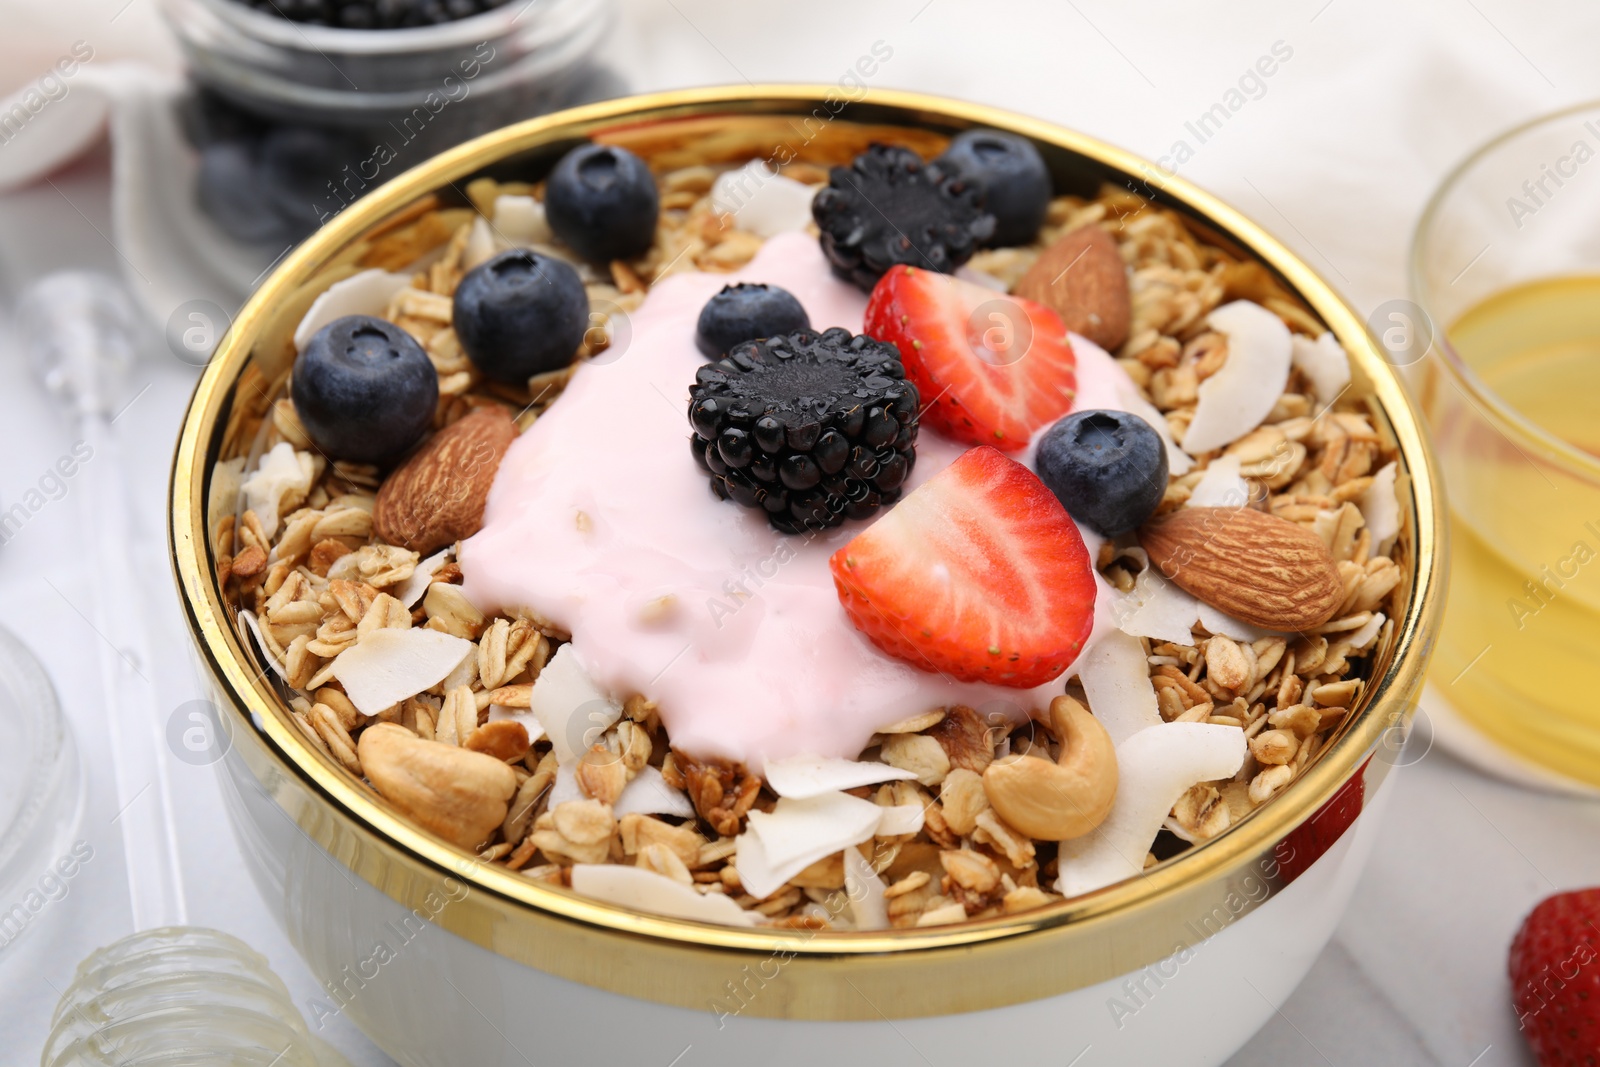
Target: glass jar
{"type": "Point", "coordinates": [294, 120]}
{"type": "Point", "coordinates": [178, 996]}
{"type": "Point", "coordinates": [41, 792]}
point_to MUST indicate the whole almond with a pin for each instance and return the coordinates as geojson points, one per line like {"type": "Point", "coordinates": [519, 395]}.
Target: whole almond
{"type": "Point", "coordinates": [1082, 278]}
{"type": "Point", "coordinates": [1254, 566]}
{"type": "Point", "coordinates": [437, 496]}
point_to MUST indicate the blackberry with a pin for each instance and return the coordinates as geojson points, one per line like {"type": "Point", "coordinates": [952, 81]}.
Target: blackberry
{"type": "Point", "coordinates": [888, 208]}
{"type": "Point", "coordinates": [811, 428]}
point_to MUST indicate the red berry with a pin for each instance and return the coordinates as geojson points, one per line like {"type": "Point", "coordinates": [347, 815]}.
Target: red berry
{"type": "Point", "coordinates": [993, 369]}
{"type": "Point", "coordinates": [1555, 979]}
{"type": "Point", "coordinates": [978, 574]}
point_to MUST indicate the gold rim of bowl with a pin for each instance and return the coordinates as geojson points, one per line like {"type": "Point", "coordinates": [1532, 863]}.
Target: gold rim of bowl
{"type": "Point", "coordinates": [803, 975]}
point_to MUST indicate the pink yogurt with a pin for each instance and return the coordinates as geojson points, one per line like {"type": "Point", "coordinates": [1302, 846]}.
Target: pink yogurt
{"type": "Point", "coordinates": [600, 521]}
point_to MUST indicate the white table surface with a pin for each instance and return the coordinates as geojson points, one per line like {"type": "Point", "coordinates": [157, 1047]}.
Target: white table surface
{"type": "Point", "coordinates": [1336, 157]}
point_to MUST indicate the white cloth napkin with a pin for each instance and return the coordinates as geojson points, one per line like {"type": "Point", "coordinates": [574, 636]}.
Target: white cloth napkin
{"type": "Point", "coordinates": [173, 256]}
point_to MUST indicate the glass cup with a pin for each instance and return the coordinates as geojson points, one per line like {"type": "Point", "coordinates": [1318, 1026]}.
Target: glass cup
{"type": "Point", "coordinates": [1505, 266]}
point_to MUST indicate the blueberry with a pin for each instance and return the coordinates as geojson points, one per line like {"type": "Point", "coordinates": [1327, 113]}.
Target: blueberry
{"type": "Point", "coordinates": [1012, 176]}
{"type": "Point", "coordinates": [208, 117]}
{"type": "Point", "coordinates": [297, 165]}
{"type": "Point", "coordinates": [372, 14]}
{"type": "Point", "coordinates": [603, 202]}
{"type": "Point", "coordinates": [747, 312]}
{"type": "Point", "coordinates": [1108, 469]}
{"type": "Point", "coordinates": [228, 187]}
{"type": "Point", "coordinates": [521, 314]}
{"type": "Point", "coordinates": [364, 389]}
{"type": "Point", "coordinates": [357, 17]}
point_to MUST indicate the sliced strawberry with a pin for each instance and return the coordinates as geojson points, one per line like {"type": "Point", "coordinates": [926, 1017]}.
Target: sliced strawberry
{"type": "Point", "coordinates": [978, 574]}
{"type": "Point", "coordinates": [992, 368]}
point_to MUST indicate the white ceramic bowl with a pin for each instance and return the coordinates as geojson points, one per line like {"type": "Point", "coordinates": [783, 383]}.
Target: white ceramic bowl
{"type": "Point", "coordinates": [442, 959]}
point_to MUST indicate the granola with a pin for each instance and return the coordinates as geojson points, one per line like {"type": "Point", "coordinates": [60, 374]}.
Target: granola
{"type": "Point", "coordinates": [392, 671]}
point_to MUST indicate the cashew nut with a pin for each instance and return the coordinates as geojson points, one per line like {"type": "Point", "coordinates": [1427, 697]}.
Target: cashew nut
{"type": "Point", "coordinates": [1061, 800]}
{"type": "Point", "coordinates": [458, 794]}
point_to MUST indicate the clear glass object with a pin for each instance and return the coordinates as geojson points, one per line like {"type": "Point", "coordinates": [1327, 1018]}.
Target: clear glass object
{"type": "Point", "coordinates": [291, 122]}
{"type": "Point", "coordinates": [1506, 266]}
{"type": "Point", "coordinates": [176, 997]}
{"type": "Point", "coordinates": [509, 63]}
{"type": "Point", "coordinates": [41, 782]}
{"type": "Point", "coordinates": [168, 995]}
{"type": "Point", "coordinates": [82, 334]}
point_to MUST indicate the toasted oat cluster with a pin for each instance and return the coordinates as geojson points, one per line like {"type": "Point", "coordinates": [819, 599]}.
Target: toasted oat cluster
{"type": "Point", "coordinates": [342, 604]}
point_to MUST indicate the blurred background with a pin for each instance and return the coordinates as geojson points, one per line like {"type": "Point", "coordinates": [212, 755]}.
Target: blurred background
{"type": "Point", "coordinates": [1370, 102]}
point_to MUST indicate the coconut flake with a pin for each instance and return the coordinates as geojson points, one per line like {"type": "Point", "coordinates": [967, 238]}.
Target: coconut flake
{"type": "Point", "coordinates": [1157, 609]}
{"type": "Point", "coordinates": [1155, 767]}
{"type": "Point", "coordinates": [529, 721]}
{"type": "Point", "coordinates": [797, 833]}
{"type": "Point", "coordinates": [762, 201]}
{"type": "Point", "coordinates": [564, 786]}
{"type": "Point", "coordinates": [387, 666]}
{"type": "Point", "coordinates": [482, 245]}
{"type": "Point", "coordinates": [1217, 622]}
{"type": "Point", "coordinates": [1116, 679]}
{"type": "Point", "coordinates": [649, 794]}
{"type": "Point", "coordinates": [1220, 486]}
{"type": "Point", "coordinates": [366, 293]}
{"type": "Point", "coordinates": [1103, 384]}
{"type": "Point", "coordinates": [756, 873]}
{"type": "Point", "coordinates": [795, 828]}
{"type": "Point", "coordinates": [572, 708]}
{"type": "Point", "coordinates": [901, 819]}
{"type": "Point", "coordinates": [249, 619]}
{"type": "Point", "coordinates": [282, 471]}
{"type": "Point", "coordinates": [1380, 506]}
{"type": "Point", "coordinates": [1325, 363]}
{"type": "Point", "coordinates": [521, 221]}
{"type": "Point", "coordinates": [642, 889]}
{"type": "Point", "coordinates": [869, 908]}
{"type": "Point", "coordinates": [1234, 400]}
{"type": "Point", "coordinates": [413, 588]}
{"type": "Point", "coordinates": [809, 776]}
{"type": "Point", "coordinates": [1363, 636]}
